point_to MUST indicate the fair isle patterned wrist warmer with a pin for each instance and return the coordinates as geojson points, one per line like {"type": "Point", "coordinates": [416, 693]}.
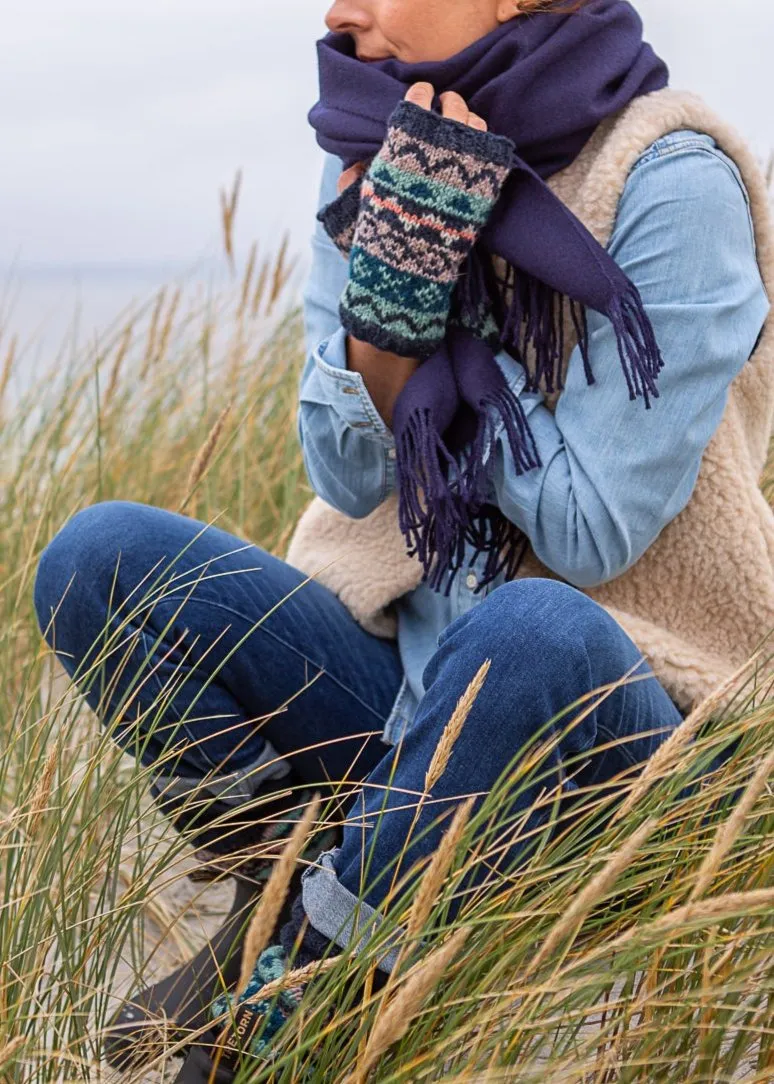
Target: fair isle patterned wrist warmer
{"type": "Point", "coordinates": [253, 1022]}
{"type": "Point", "coordinates": [423, 203]}
{"type": "Point", "coordinates": [339, 219]}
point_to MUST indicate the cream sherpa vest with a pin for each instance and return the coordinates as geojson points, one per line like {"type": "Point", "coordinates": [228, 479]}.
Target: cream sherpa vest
{"type": "Point", "coordinates": [701, 599]}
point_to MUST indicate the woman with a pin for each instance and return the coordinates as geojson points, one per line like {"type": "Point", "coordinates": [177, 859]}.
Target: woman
{"type": "Point", "coordinates": [535, 411]}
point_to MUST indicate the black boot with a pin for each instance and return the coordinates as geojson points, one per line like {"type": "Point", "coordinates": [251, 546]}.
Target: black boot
{"type": "Point", "coordinates": [199, 1068]}
{"type": "Point", "coordinates": [177, 1007]}
{"type": "Point", "coordinates": [209, 1057]}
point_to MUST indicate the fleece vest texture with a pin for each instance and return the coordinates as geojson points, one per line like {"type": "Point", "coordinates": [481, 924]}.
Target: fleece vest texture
{"type": "Point", "coordinates": [700, 601]}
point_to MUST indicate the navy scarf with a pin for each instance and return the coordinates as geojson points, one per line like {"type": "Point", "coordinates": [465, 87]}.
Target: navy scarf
{"type": "Point", "coordinates": [545, 81]}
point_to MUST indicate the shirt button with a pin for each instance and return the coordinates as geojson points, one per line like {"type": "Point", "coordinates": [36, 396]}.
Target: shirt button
{"type": "Point", "coordinates": [472, 581]}
{"type": "Point", "coordinates": [392, 454]}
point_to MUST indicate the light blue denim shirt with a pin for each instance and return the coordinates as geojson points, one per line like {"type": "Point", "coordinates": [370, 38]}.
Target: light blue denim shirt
{"type": "Point", "coordinates": [613, 474]}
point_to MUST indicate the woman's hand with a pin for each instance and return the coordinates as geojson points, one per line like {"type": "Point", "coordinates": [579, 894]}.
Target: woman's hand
{"type": "Point", "coordinates": [453, 105]}
{"type": "Point", "coordinates": [421, 94]}
{"type": "Point", "coordinates": [385, 374]}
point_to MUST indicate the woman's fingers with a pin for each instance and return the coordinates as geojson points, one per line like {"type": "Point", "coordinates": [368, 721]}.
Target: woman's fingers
{"type": "Point", "coordinates": [456, 108]}
{"type": "Point", "coordinates": [453, 105]}
{"type": "Point", "coordinates": [421, 94]}
{"type": "Point", "coordinates": [349, 176]}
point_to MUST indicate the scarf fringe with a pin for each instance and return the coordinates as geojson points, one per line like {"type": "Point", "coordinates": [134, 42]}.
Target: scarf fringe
{"type": "Point", "coordinates": [638, 350]}
{"type": "Point", "coordinates": [431, 511]}
{"type": "Point", "coordinates": [474, 289]}
{"type": "Point", "coordinates": [504, 407]}
{"type": "Point", "coordinates": [533, 317]}
{"type": "Point", "coordinates": [488, 530]}
{"type": "Point", "coordinates": [504, 544]}
{"type": "Point", "coordinates": [444, 498]}
{"type": "Point", "coordinates": [438, 517]}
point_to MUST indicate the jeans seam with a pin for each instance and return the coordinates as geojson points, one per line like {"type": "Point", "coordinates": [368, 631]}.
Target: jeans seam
{"type": "Point", "coordinates": [170, 693]}
{"type": "Point", "coordinates": [694, 144]}
{"type": "Point", "coordinates": [672, 144]}
{"type": "Point", "coordinates": [621, 746]}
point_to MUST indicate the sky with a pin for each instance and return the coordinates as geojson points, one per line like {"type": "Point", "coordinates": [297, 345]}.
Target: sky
{"type": "Point", "coordinates": [122, 119]}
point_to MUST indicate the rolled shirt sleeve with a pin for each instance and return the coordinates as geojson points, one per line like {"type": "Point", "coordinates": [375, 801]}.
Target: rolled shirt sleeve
{"type": "Point", "coordinates": [614, 474]}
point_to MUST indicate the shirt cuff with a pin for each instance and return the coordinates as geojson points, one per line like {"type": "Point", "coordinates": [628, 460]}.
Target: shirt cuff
{"type": "Point", "coordinates": [347, 393]}
{"type": "Point", "coordinates": [513, 371]}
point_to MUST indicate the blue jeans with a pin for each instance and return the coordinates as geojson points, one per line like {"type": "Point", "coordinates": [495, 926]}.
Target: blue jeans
{"type": "Point", "coordinates": [245, 657]}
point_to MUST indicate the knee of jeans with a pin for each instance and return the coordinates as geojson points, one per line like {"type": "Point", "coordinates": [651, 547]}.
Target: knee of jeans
{"type": "Point", "coordinates": [80, 555]}
{"type": "Point", "coordinates": [544, 625]}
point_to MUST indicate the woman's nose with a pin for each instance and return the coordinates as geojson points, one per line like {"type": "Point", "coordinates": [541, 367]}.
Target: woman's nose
{"type": "Point", "coordinates": [346, 16]}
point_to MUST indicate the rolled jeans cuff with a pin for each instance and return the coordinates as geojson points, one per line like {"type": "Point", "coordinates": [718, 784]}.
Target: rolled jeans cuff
{"type": "Point", "coordinates": [233, 789]}
{"type": "Point", "coordinates": [338, 914]}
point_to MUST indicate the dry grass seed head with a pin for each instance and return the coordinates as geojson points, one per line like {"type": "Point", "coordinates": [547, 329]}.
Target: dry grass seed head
{"type": "Point", "coordinates": [153, 331]}
{"type": "Point", "coordinates": [115, 372]}
{"type": "Point", "coordinates": [703, 912]}
{"type": "Point", "coordinates": [229, 203]}
{"type": "Point", "coordinates": [247, 280]}
{"type": "Point", "coordinates": [454, 727]}
{"type": "Point", "coordinates": [393, 1022]}
{"type": "Point", "coordinates": [11, 1049]}
{"type": "Point", "coordinates": [283, 269]}
{"type": "Point", "coordinates": [274, 895]}
{"type": "Point", "coordinates": [663, 761]}
{"type": "Point", "coordinates": [728, 832]}
{"type": "Point", "coordinates": [437, 871]}
{"type": "Point", "coordinates": [204, 456]}
{"type": "Point", "coordinates": [169, 323]}
{"type": "Point", "coordinates": [8, 364]}
{"type": "Point", "coordinates": [594, 890]}
{"type": "Point", "coordinates": [298, 977]}
{"type": "Point", "coordinates": [260, 288]}
{"type": "Point", "coordinates": [39, 800]}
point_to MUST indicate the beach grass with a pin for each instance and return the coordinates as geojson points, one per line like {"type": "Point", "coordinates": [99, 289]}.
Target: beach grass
{"type": "Point", "coordinates": [635, 943]}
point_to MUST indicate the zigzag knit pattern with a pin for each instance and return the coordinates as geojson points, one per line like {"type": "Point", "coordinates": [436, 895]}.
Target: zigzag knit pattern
{"type": "Point", "coordinates": [255, 1021]}
{"type": "Point", "coordinates": [339, 218]}
{"type": "Point", "coordinates": [422, 205]}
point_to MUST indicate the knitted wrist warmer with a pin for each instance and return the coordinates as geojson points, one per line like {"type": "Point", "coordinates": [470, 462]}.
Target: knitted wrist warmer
{"type": "Point", "coordinates": [339, 218]}
{"type": "Point", "coordinates": [424, 201]}
{"type": "Point", "coordinates": [248, 1023]}
{"type": "Point", "coordinates": [252, 1022]}
{"type": "Point", "coordinates": [256, 1020]}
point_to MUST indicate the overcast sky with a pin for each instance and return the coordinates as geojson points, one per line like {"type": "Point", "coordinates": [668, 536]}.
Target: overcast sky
{"type": "Point", "coordinates": [121, 119]}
